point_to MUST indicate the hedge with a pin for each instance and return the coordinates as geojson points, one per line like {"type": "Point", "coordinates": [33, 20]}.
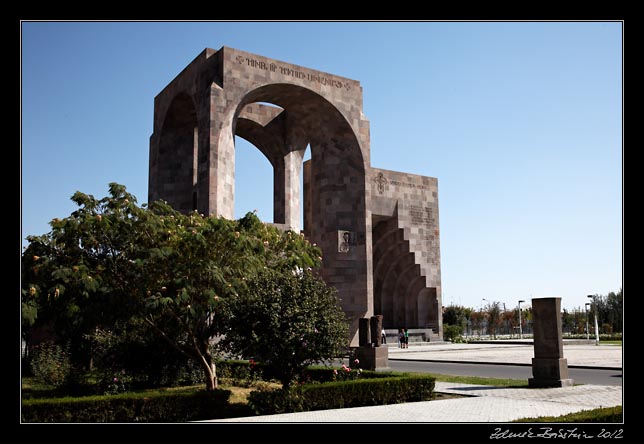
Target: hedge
{"type": "Point", "coordinates": [168, 406]}
{"type": "Point", "coordinates": [325, 374]}
{"type": "Point", "coordinates": [343, 394]}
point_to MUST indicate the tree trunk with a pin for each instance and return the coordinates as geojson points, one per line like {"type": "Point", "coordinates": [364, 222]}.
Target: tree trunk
{"type": "Point", "coordinates": [210, 371]}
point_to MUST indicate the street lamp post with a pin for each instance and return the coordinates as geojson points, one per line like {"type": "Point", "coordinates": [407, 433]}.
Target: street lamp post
{"type": "Point", "coordinates": [587, 327]}
{"type": "Point", "coordinates": [505, 321]}
{"type": "Point", "coordinates": [482, 317]}
{"type": "Point", "coordinates": [596, 325]}
{"type": "Point", "coordinates": [520, 326]}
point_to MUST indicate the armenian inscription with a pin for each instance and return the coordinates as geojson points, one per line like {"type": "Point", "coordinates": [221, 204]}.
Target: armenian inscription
{"type": "Point", "coordinates": [421, 215]}
{"type": "Point", "coordinates": [285, 70]}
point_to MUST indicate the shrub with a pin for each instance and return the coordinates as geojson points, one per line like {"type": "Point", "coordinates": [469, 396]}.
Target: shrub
{"type": "Point", "coordinates": [146, 358]}
{"type": "Point", "coordinates": [287, 321]}
{"type": "Point", "coordinates": [50, 363]}
{"type": "Point", "coordinates": [241, 373]}
{"type": "Point", "coordinates": [273, 401]}
{"type": "Point", "coordinates": [130, 407]}
{"type": "Point", "coordinates": [452, 333]}
{"type": "Point", "coordinates": [343, 394]}
{"type": "Point", "coordinates": [328, 374]}
{"type": "Point", "coordinates": [602, 336]}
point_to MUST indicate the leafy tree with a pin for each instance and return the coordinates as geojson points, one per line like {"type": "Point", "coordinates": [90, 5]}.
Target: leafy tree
{"type": "Point", "coordinates": [457, 315]}
{"type": "Point", "coordinates": [477, 318]}
{"type": "Point", "coordinates": [610, 310]}
{"type": "Point", "coordinates": [510, 320]}
{"type": "Point", "coordinates": [112, 260]}
{"type": "Point", "coordinates": [286, 320]}
{"type": "Point", "coordinates": [454, 315]}
{"type": "Point", "coordinates": [467, 313]}
{"type": "Point", "coordinates": [526, 319]}
{"type": "Point", "coordinates": [494, 317]}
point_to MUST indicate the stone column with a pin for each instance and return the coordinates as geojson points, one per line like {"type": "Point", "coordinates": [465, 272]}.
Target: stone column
{"type": "Point", "coordinates": [363, 332]}
{"type": "Point", "coordinates": [376, 330]}
{"type": "Point", "coordinates": [549, 367]}
{"type": "Point", "coordinates": [292, 171]}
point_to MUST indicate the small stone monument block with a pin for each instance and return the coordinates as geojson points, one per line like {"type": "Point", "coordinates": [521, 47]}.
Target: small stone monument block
{"type": "Point", "coordinates": [549, 367]}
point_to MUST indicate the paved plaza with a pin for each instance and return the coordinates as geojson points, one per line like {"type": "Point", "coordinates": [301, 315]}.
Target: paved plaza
{"type": "Point", "coordinates": [482, 403]}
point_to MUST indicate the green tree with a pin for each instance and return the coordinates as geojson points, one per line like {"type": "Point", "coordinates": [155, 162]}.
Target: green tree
{"type": "Point", "coordinates": [457, 315]}
{"type": "Point", "coordinates": [510, 320]}
{"type": "Point", "coordinates": [477, 318]}
{"type": "Point", "coordinates": [454, 315]}
{"type": "Point", "coordinates": [112, 260]}
{"type": "Point", "coordinates": [286, 320]}
{"type": "Point", "coordinates": [614, 311]}
{"type": "Point", "coordinates": [494, 317]}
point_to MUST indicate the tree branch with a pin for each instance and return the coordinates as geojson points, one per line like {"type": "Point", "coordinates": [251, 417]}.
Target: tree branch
{"type": "Point", "coordinates": [167, 338]}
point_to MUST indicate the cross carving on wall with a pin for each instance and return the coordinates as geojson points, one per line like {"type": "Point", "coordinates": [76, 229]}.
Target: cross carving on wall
{"type": "Point", "coordinates": [381, 181]}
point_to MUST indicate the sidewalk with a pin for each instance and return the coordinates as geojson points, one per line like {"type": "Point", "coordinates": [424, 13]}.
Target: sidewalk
{"type": "Point", "coordinates": [578, 355]}
{"type": "Point", "coordinates": [485, 404]}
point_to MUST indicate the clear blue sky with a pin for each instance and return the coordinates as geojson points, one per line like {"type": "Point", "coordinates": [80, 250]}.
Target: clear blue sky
{"type": "Point", "coordinates": [520, 122]}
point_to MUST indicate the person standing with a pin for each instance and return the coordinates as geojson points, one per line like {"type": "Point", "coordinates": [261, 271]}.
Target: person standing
{"type": "Point", "coordinates": [384, 336]}
{"type": "Point", "coordinates": [401, 338]}
{"type": "Point", "coordinates": [406, 338]}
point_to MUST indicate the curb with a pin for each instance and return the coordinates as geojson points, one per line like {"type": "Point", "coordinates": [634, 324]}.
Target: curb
{"type": "Point", "coordinates": [587, 367]}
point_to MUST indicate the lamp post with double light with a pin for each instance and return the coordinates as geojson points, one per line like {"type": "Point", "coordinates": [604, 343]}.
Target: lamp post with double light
{"type": "Point", "coordinates": [596, 324]}
{"type": "Point", "coordinates": [482, 317]}
{"type": "Point", "coordinates": [520, 326]}
{"type": "Point", "coordinates": [587, 327]}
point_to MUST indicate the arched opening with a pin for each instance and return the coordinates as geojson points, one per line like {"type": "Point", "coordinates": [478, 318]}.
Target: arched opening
{"type": "Point", "coordinates": [287, 122]}
{"type": "Point", "coordinates": [178, 153]}
{"type": "Point", "coordinates": [329, 190]}
{"type": "Point", "coordinates": [253, 181]}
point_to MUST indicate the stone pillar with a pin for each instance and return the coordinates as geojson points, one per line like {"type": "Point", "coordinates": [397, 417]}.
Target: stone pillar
{"type": "Point", "coordinates": [549, 368]}
{"type": "Point", "coordinates": [376, 330]}
{"type": "Point", "coordinates": [292, 169]}
{"type": "Point", "coordinates": [363, 332]}
{"type": "Point", "coordinates": [279, 183]}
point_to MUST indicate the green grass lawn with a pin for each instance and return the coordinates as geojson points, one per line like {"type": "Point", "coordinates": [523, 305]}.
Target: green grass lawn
{"type": "Point", "coordinates": [477, 380]}
{"type": "Point", "coordinates": [606, 414]}
{"type": "Point", "coordinates": [31, 388]}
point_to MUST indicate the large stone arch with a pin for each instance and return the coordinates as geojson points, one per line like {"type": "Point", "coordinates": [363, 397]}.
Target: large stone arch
{"type": "Point", "coordinates": [228, 89]}
{"type": "Point", "coordinates": [222, 94]}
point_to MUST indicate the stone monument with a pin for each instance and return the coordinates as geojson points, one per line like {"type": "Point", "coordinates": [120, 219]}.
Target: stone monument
{"type": "Point", "coordinates": [549, 367]}
{"type": "Point", "coordinates": [378, 229]}
{"type": "Point", "coordinates": [372, 355]}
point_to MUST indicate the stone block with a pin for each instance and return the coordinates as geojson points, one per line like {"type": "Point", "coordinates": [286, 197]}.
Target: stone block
{"type": "Point", "coordinates": [549, 368]}
{"type": "Point", "coordinates": [372, 358]}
